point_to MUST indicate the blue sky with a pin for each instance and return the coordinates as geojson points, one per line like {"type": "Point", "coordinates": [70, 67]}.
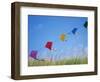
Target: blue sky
{"type": "Point", "coordinates": [42, 29]}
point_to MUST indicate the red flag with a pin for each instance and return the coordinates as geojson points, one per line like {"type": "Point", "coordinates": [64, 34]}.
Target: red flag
{"type": "Point", "coordinates": [49, 45]}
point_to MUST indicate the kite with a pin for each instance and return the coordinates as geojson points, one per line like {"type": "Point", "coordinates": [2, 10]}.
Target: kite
{"type": "Point", "coordinates": [86, 24]}
{"type": "Point", "coordinates": [62, 37]}
{"type": "Point", "coordinates": [49, 45]}
{"type": "Point", "coordinates": [34, 54]}
{"type": "Point", "coordinates": [74, 30]}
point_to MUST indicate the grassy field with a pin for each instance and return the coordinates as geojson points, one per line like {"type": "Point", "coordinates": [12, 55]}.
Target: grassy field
{"type": "Point", "coordinates": [69, 61]}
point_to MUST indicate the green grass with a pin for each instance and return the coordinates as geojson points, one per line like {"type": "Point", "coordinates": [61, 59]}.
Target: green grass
{"type": "Point", "coordinates": [67, 61]}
